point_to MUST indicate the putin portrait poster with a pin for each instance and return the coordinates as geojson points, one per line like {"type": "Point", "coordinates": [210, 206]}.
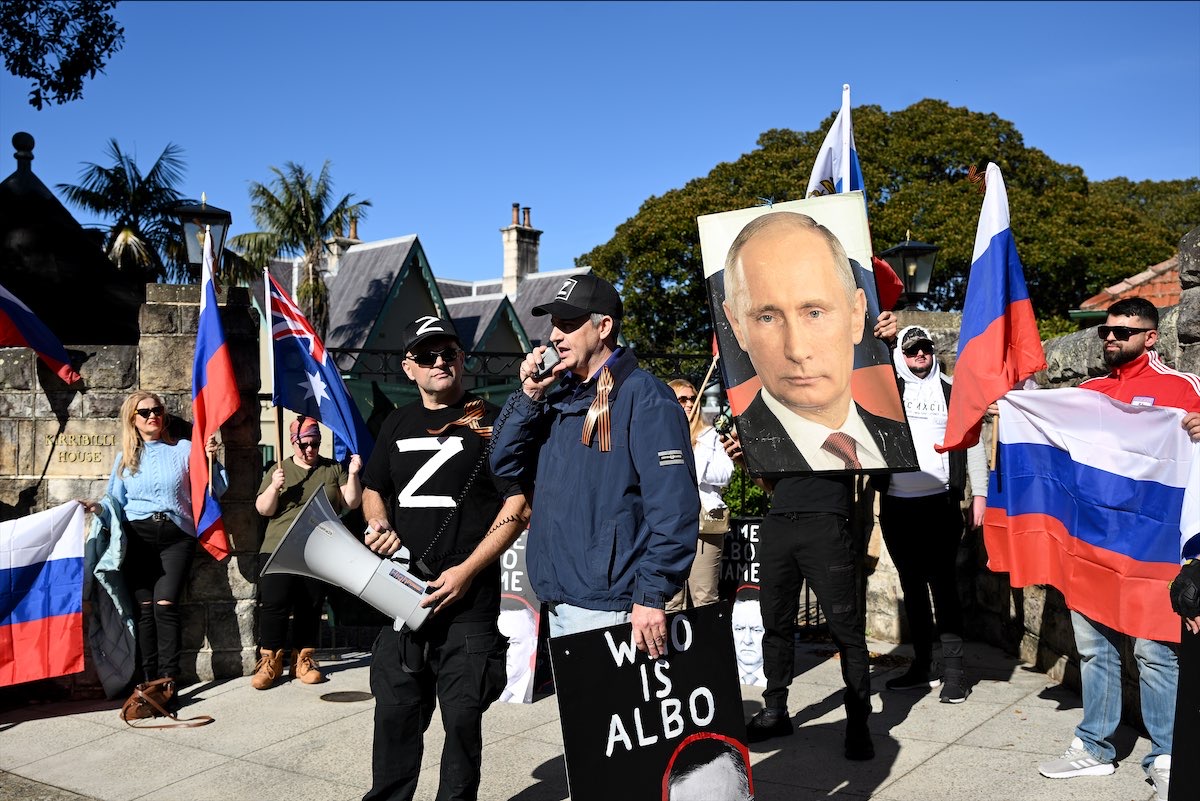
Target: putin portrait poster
{"type": "Point", "coordinates": [794, 305]}
{"type": "Point", "coordinates": [642, 729]}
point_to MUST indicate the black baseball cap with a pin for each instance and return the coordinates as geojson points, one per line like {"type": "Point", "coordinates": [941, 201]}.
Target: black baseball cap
{"type": "Point", "coordinates": [580, 295]}
{"type": "Point", "coordinates": [427, 327]}
{"type": "Point", "coordinates": [914, 336]}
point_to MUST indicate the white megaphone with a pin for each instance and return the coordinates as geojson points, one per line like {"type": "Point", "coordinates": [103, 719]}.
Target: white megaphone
{"type": "Point", "coordinates": [317, 545]}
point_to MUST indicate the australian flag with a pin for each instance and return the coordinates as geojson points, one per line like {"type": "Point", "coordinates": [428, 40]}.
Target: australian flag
{"type": "Point", "coordinates": [306, 379]}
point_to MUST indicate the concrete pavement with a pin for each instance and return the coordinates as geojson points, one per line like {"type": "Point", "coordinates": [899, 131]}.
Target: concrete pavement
{"type": "Point", "coordinates": [290, 744]}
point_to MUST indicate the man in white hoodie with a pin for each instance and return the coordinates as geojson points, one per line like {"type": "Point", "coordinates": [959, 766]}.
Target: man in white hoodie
{"type": "Point", "coordinates": [921, 518]}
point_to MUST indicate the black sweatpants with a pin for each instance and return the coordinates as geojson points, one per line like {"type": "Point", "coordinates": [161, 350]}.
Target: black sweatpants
{"type": "Point", "coordinates": [463, 670]}
{"type": "Point", "coordinates": [922, 535]}
{"type": "Point", "coordinates": [158, 561]}
{"type": "Point", "coordinates": [819, 547]}
{"type": "Point", "coordinates": [1185, 771]}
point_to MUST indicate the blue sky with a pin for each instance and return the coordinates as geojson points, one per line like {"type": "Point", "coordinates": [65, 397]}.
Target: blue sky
{"type": "Point", "coordinates": [444, 114]}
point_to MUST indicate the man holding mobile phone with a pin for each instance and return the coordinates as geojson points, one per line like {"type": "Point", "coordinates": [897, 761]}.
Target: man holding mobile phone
{"type": "Point", "coordinates": [607, 450]}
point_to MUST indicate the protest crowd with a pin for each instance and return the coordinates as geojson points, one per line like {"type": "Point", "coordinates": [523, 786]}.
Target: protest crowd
{"type": "Point", "coordinates": [615, 477]}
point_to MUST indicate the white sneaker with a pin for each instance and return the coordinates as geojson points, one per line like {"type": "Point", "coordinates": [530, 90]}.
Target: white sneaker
{"type": "Point", "coordinates": [1159, 772]}
{"type": "Point", "coordinates": [1075, 762]}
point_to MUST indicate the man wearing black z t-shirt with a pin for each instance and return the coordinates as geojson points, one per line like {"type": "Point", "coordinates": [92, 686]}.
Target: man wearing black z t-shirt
{"type": "Point", "coordinates": [427, 487]}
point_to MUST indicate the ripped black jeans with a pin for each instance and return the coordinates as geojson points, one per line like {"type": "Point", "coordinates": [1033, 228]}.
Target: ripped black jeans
{"type": "Point", "coordinates": [158, 561]}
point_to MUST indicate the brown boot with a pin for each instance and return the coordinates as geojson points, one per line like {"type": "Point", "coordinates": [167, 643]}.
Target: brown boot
{"type": "Point", "coordinates": [268, 670]}
{"type": "Point", "coordinates": [304, 667]}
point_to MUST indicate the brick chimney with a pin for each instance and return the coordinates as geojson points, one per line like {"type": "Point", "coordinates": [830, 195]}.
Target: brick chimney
{"type": "Point", "coordinates": [520, 250]}
{"type": "Point", "coordinates": [338, 245]}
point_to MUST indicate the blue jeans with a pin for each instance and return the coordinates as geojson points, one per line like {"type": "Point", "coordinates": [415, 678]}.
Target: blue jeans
{"type": "Point", "coordinates": [1100, 671]}
{"type": "Point", "coordinates": [567, 619]}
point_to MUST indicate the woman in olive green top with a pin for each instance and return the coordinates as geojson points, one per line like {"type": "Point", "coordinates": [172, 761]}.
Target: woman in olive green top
{"type": "Point", "coordinates": [283, 492]}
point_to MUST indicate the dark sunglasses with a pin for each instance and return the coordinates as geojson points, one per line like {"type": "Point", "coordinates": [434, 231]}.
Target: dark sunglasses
{"type": "Point", "coordinates": [316, 443]}
{"type": "Point", "coordinates": [153, 411]}
{"type": "Point", "coordinates": [429, 358]}
{"type": "Point", "coordinates": [1121, 332]}
{"type": "Point", "coordinates": [915, 349]}
{"type": "Point", "coordinates": [687, 398]}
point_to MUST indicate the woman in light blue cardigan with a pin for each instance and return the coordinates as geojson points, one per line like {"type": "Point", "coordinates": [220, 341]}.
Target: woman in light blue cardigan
{"type": "Point", "coordinates": [150, 483]}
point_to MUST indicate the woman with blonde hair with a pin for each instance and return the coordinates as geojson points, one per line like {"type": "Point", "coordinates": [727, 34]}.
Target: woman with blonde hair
{"type": "Point", "coordinates": [151, 487]}
{"type": "Point", "coordinates": [713, 471]}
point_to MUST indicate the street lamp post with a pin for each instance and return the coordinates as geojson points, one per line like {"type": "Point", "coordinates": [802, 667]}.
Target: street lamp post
{"type": "Point", "coordinates": [913, 262]}
{"type": "Point", "coordinates": [194, 217]}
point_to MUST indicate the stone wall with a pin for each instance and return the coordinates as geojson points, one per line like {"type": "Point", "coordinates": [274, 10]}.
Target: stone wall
{"type": "Point", "coordinates": [58, 443]}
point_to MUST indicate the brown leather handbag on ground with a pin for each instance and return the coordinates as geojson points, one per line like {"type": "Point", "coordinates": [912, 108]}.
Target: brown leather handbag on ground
{"type": "Point", "coordinates": [150, 700]}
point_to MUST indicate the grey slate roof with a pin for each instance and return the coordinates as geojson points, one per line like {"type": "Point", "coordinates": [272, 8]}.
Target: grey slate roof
{"type": "Point", "coordinates": [471, 316]}
{"type": "Point", "coordinates": [360, 289]}
{"type": "Point", "coordinates": [453, 288]}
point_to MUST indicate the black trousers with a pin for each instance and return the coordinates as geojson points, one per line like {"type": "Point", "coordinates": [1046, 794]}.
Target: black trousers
{"type": "Point", "coordinates": [158, 560]}
{"type": "Point", "coordinates": [822, 549]}
{"type": "Point", "coordinates": [459, 666]}
{"type": "Point", "coordinates": [922, 535]}
{"type": "Point", "coordinates": [284, 595]}
{"type": "Point", "coordinates": [1185, 771]}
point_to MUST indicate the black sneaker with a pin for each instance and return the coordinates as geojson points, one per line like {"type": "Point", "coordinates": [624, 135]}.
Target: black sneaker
{"type": "Point", "coordinates": [917, 678]}
{"type": "Point", "coordinates": [769, 722]}
{"type": "Point", "coordinates": [954, 691]}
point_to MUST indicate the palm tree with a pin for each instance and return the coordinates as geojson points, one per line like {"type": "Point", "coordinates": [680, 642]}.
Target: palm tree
{"type": "Point", "coordinates": [296, 219]}
{"type": "Point", "coordinates": [144, 238]}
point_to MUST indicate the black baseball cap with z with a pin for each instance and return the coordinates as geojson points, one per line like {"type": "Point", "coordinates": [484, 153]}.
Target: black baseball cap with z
{"type": "Point", "coordinates": [424, 328]}
{"type": "Point", "coordinates": [580, 295]}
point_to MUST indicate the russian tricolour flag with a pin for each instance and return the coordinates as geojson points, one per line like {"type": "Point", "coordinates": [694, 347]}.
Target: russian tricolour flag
{"type": "Point", "coordinates": [214, 400]}
{"type": "Point", "coordinates": [998, 343]}
{"type": "Point", "coordinates": [1098, 499]}
{"type": "Point", "coordinates": [836, 169]}
{"type": "Point", "coordinates": [21, 328]}
{"type": "Point", "coordinates": [41, 595]}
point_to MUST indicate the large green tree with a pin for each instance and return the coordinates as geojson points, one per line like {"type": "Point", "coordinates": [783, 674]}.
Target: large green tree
{"type": "Point", "coordinates": [57, 44]}
{"type": "Point", "coordinates": [144, 238]}
{"type": "Point", "coordinates": [297, 214]}
{"type": "Point", "coordinates": [1074, 237]}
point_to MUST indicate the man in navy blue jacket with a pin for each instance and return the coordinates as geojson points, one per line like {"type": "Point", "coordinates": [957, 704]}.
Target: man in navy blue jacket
{"type": "Point", "coordinates": [606, 445]}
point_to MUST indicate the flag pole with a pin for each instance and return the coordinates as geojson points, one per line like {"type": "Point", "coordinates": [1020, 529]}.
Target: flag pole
{"type": "Point", "coordinates": [271, 366]}
{"type": "Point", "coordinates": [696, 406]}
{"type": "Point", "coordinates": [845, 132]}
{"type": "Point", "coordinates": [207, 234]}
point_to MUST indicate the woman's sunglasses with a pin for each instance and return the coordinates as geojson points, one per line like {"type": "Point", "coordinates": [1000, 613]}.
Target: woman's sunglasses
{"type": "Point", "coordinates": [153, 411]}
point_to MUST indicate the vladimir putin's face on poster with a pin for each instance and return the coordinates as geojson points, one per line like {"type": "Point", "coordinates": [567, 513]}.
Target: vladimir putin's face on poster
{"type": "Point", "coordinates": [794, 307]}
{"type": "Point", "coordinates": [812, 388]}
